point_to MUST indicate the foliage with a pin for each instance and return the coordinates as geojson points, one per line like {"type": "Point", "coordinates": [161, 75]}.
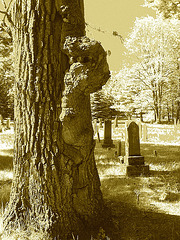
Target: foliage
{"type": "Point", "coordinates": [6, 72]}
{"type": "Point", "coordinates": [155, 43]}
{"type": "Point", "coordinates": [169, 8]}
{"type": "Point", "coordinates": [101, 105]}
{"type": "Point", "coordinates": [131, 97]}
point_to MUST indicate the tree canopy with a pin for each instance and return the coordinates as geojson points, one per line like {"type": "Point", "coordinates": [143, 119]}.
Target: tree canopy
{"type": "Point", "coordinates": [168, 8]}
{"type": "Point", "coordinates": [6, 72]}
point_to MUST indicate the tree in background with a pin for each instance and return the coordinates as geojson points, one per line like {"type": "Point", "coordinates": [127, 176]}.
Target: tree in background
{"type": "Point", "coordinates": [56, 187]}
{"type": "Point", "coordinates": [6, 72]}
{"type": "Point", "coordinates": [155, 44]}
{"type": "Point", "coordinates": [102, 105]}
{"type": "Point", "coordinates": [169, 8]}
{"type": "Point", "coordinates": [130, 96]}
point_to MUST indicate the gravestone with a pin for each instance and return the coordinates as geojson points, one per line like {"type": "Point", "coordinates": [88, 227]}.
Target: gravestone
{"type": "Point", "coordinates": [133, 164]}
{"type": "Point", "coordinates": [108, 142]}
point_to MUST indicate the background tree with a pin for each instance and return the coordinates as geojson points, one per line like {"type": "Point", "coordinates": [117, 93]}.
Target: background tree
{"type": "Point", "coordinates": [155, 44]}
{"type": "Point", "coordinates": [56, 188]}
{"type": "Point", "coordinates": [169, 8]}
{"type": "Point", "coordinates": [102, 105]}
{"type": "Point", "coordinates": [131, 97]}
{"type": "Point", "coordinates": [6, 72]}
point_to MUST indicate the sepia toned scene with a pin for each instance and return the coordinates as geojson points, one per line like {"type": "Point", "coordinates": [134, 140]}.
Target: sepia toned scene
{"type": "Point", "coordinates": [89, 120]}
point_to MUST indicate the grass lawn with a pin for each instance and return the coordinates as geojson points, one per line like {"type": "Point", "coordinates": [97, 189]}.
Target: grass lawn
{"type": "Point", "coordinates": [142, 208]}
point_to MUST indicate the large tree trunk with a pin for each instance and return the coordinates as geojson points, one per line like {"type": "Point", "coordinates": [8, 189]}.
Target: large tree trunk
{"type": "Point", "coordinates": [56, 186]}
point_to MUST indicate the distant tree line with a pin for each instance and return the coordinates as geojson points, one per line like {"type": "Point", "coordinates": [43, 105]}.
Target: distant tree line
{"type": "Point", "coordinates": [6, 72]}
{"type": "Point", "coordinates": [152, 83]}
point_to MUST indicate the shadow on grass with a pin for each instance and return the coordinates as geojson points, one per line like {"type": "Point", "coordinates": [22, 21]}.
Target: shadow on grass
{"type": "Point", "coordinates": [6, 162]}
{"type": "Point", "coordinates": [130, 222]}
{"type": "Point", "coordinates": [154, 173]}
{"type": "Point", "coordinates": [5, 188]}
{"type": "Point", "coordinates": [130, 218]}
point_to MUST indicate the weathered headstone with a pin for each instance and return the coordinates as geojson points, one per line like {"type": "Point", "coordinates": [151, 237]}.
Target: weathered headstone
{"type": "Point", "coordinates": [108, 142]}
{"type": "Point", "coordinates": [133, 161]}
{"type": "Point", "coordinates": [132, 144]}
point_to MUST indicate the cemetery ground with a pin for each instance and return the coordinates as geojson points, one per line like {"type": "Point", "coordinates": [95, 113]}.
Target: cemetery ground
{"type": "Point", "coordinates": [138, 208]}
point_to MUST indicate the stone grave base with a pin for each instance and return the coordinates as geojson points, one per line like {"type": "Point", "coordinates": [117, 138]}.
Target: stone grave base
{"type": "Point", "coordinates": [134, 160]}
{"type": "Point", "coordinates": [107, 144]}
{"type": "Point", "coordinates": [133, 166]}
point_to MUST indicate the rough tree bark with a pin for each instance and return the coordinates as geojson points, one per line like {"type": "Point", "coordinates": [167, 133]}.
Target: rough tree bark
{"type": "Point", "coordinates": [56, 186]}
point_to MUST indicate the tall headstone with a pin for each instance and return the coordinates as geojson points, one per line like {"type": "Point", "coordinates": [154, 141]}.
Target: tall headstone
{"type": "Point", "coordinates": [133, 161]}
{"type": "Point", "coordinates": [132, 144]}
{"type": "Point", "coordinates": [108, 142]}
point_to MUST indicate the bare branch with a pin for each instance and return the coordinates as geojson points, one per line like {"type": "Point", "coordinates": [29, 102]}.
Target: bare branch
{"type": "Point", "coordinates": [3, 12]}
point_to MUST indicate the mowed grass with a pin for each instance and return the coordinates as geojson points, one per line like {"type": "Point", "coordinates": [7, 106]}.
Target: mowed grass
{"type": "Point", "coordinates": [143, 207]}
{"type": "Point", "coordinates": [140, 207]}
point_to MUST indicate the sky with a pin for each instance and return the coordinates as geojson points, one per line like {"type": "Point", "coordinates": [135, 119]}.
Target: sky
{"type": "Point", "coordinates": [109, 16]}
{"type": "Point", "coordinates": [113, 15]}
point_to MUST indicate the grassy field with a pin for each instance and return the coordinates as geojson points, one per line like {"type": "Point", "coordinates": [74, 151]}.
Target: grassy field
{"type": "Point", "coordinates": [138, 208]}
{"type": "Point", "coordinates": [143, 207]}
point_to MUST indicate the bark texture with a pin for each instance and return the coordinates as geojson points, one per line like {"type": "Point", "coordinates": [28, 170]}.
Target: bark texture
{"type": "Point", "coordinates": [56, 185]}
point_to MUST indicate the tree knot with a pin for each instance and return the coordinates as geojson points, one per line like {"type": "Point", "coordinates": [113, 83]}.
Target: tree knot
{"type": "Point", "coordinates": [87, 73]}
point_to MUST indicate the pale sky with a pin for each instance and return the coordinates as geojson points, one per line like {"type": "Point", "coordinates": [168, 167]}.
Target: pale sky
{"type": "Point", "coordinates": [114, 15]}
{"type": "Point", "coordinates": [109, 16]}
